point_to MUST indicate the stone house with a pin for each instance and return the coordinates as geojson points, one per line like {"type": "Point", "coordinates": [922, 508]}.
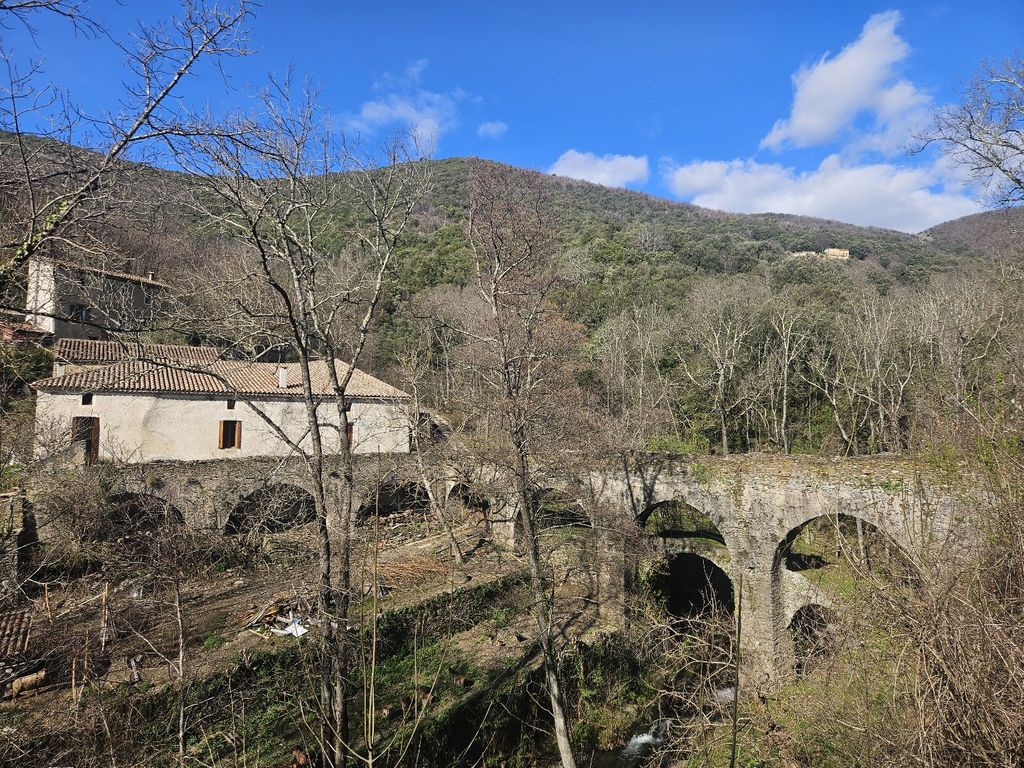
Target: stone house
{"type": "Point", "coordinates": [841, 254]}
{"type": "Point", "coordinates": [78, 301]}
{"type": "Point", "coordinates": [139, 411]}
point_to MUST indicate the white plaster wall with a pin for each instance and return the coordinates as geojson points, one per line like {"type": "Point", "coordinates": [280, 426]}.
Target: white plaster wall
{"type": "Point", "coordinates": [141, 428]}
{"type": "Point", "coordinates": [40, 294]}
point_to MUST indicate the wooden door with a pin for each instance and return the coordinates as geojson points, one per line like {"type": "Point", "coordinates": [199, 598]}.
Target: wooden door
{"type": "Point", "coordinates": [86, 429]}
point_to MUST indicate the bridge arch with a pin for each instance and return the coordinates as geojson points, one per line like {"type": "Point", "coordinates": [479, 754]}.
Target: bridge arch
{"type": "Point", "coordinates": [554, 508]}
{"type": "Point", "coordinates": [804, 583]}
{"type": "Point", "coordinates": [464, 504]}
{"type": "Point", "coordinates": [812, 636]}
{"type": "Point", "coordinates": [676, 519]}
{"type": "Point", "coordinates": [139, 512]}
{"type": "Point", "coordinates": [692, 585]}
{"type": "Point", "coordinates": [395, 497]}
{"type": "Point", "coordinates": [271, 508]}
{"type": "Point", "coordinates": [810, 544]}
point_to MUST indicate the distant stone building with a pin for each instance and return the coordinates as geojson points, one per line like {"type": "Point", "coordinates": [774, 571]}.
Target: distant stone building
{"type": "Point", "coordinates": [836, 253]}
{"type": "Point", "coordinates": [84, 302]}
{"type": "Point", "coordinates": [839, 254]}
{"type": "Point", "coordinates": [140, 411]}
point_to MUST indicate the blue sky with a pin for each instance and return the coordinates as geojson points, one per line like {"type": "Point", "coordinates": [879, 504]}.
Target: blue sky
{"type": "Point", "coordinates": [799, 107]}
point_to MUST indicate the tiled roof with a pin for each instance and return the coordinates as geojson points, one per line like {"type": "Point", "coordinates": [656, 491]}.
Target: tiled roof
{"type": "Point", "coordinates": [15, 629]}
{"type": "Point", "coordinates": [93, 351]}
{"type": "Point", "coordinates": [126, 276]}
{"type": "Point", "coordinates": [16, 322]}
{"type": "Point", "coordinates": [221, 377]}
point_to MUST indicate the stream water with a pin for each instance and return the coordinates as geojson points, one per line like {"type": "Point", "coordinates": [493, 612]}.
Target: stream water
{"type": "Point", "coordinates": [640, 745]}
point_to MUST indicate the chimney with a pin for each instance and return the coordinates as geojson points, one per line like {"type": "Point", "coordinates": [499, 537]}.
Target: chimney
{"type": "Point", "coordinates": [282, 377]}
{"type": "Point", "coordinates": [150, 275]}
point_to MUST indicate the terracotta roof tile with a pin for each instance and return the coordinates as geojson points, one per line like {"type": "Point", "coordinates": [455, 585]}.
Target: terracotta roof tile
{"type": "Point", "coordinates": [15, 321]}
{"type": "Point", "coordinates": [126, 276]}
{"type": "Point", "coordinates": [220, 377]}
{"type": "Point", "coordinates": [93, 351]}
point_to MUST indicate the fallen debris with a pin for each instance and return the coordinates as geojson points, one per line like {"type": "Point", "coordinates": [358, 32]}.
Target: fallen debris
{"type": "Point", "coordinates": [380, 589]}
{"type": "Point", "coordinates": [294, 627]}
{"type": "Point", "coordinates": [290, 610]}
{"type": "Point", "coordinates": [15, 631]}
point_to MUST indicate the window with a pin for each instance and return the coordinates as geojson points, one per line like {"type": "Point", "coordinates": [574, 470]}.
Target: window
{"type": "Point", "coordinates": [87, 398]}
{"type": "Point", "coordinates": [80, 313]}
{"type": "Point", "coordinates": [231, 434]}
{"type": "Point", "coordinates": [231, 404]}
{"type": "Point", "coordinates": [350, 432]}
{"type": "Point", "coordinates": [86, 430]}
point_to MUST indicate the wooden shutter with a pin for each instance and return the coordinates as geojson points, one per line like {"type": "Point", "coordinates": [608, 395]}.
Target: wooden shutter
{"type": "Point", "coordinates": [230, 434]}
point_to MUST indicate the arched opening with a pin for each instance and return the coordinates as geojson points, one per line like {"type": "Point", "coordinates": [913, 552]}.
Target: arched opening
{"type": "Point", "coordinates": [676, 519]}
{"type": "Point", "coordinates": [134, 513]}
{"type": "Point", "coordinates": [557, 509]}
{"type": "Point", "coordinates": [812, 631]}
{"type": "Point", "coordinates": [396, 500]}
{"type": "Point", "coordinates": [475, 508]}
{"type": "Point", "coordinates": [692, 586]}
{"type": "Point", "coordinates": [835, 540]}
{"type": "Point", "coordinates": [271, 509]}
{"type": "Point", "coordinates": [840, 558]}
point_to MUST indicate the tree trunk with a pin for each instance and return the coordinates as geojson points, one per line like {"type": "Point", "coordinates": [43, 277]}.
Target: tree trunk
{"type": "Point", "coordinates": [542, 611]}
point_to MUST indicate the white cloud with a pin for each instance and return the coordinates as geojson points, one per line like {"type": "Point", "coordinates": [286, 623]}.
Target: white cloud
{"type": "Point", "coordinates": [609, 170]}
{"type": "Point", "coordinates": [494, 129]}
{"type": "Point", "coordinates": [855, 101]}
{"type": "Point", "coordinates": [415, 70]}
{"type": "Point", "coordinates": [425, 114]}
{"type": "Point", "coordinates": [910, 199]}
{"type": "Point", "coordinates": [861, 79]}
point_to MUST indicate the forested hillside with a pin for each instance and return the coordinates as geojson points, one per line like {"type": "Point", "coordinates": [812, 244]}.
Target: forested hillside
{"type": "Point", "coordinates": [622, 243]}
{"type": "Point", "coordinates": [998, 233]}
{"type": "Point", "coordinates": [618, 242]}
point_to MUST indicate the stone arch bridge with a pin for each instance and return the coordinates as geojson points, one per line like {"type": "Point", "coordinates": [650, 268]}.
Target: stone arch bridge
{"type": "Point", "coordinates": [749, 507]}
{"type": "Point", "coordinates": [741, 514]}
{"type": "Point", "coordinates": [204, 494]}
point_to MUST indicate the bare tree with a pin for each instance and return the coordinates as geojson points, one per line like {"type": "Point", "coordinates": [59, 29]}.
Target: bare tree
{"type": "Point", "coordinates": [715, 349]}
{"type": "Point", "coordinates": [57, 195]}
{"type": "Point", "coordinates": [984, 133]}
{"type": "Point", "coordinates": [521, 349]}
{"type": "Point", "coordinates": [434, 439]}
{"type": "Point", "coordinates": [74, 11]}
{"type": "Point", "coordinates": [305, 287]}
{"type": "Point", "coordinates": [629, 351]}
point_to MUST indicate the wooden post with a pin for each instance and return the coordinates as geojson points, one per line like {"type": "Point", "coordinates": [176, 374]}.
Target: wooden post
{"type": "Point", "coordinates": [103, 615]}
